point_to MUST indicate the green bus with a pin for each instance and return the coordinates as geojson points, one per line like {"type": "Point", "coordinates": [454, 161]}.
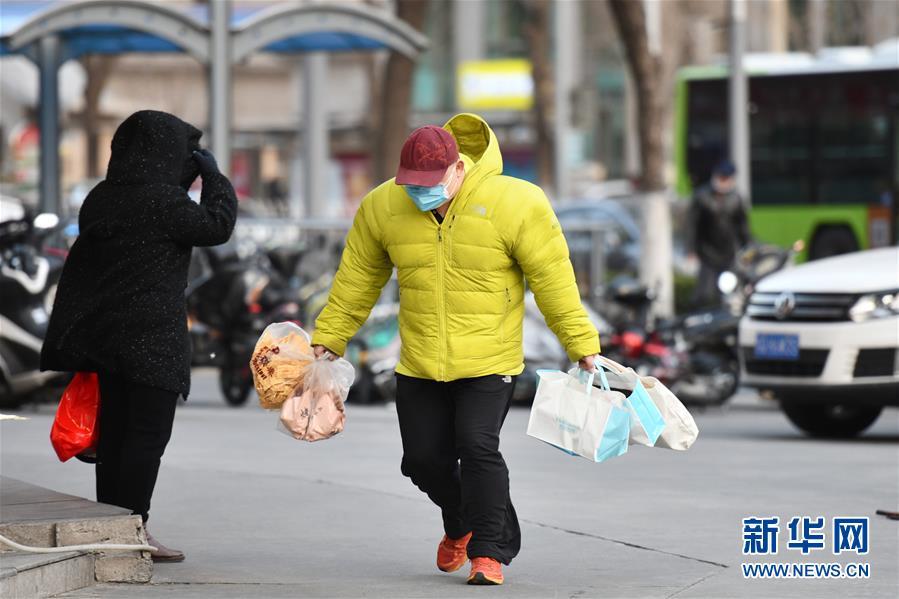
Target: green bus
{"type": "Point", "coordinates": [824, 148]}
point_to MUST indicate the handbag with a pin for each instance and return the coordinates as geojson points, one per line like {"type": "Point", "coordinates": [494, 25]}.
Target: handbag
{"type": "Point", "coordinates": [571, 415]}
{"type": "Point", "coordinates": [75, 428]}
{"type": "Point", "coordinates": [680, 430]}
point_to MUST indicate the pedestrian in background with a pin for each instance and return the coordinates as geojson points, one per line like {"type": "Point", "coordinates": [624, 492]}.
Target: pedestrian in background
{"type": "Point", "coordinates": [463, 238]}
{"type": "Point", "coordinates": [120, 309]}
{"type": "Point", "coordinates": [717, 229]}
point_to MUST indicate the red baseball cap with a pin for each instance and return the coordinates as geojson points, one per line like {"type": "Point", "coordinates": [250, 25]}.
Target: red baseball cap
{"type": "Point", "coordinates": [426, 155]}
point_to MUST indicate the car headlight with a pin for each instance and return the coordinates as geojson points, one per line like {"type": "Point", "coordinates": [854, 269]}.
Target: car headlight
{"type": "Point", "coordinates": [875, 305]}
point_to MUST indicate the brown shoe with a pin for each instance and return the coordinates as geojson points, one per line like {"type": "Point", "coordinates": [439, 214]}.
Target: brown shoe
{"type": "Point", "coordinates": [163, 553]}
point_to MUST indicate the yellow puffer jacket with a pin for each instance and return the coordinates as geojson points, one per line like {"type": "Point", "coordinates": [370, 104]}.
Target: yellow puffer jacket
{"type": "Point", "coordinates": [461, 283]}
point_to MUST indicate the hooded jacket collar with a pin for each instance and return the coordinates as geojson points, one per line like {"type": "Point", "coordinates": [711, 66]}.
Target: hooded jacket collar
{"type": "Point", "coordinates": [477, 141]}
{"type": "Point", "coordinates": [153, 147]}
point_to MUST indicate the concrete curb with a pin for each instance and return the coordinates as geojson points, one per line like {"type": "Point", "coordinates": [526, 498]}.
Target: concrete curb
{"type": "Point", "coordinates": [44, 575]}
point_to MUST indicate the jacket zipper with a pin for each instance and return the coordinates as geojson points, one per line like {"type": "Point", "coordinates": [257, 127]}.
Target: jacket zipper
{"type": "Point", "coordinates": [441, 308]}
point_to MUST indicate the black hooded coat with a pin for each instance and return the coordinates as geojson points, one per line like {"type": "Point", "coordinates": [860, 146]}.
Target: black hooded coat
{"type": "Point", "coordinates": [120, 303]}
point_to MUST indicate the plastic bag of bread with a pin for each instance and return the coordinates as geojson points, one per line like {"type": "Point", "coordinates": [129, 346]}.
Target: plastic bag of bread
{"type": "Point", "coordinates": [317, 412]}
{"type": "Point", "coordinates": [279, 363]}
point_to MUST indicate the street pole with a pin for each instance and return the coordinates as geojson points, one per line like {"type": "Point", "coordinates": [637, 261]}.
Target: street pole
{"type": "Point", "coordinates": [48, 52]}
{"type": "Point", "coordinates": [220, 82]}
{"type": "Point", "coordinates": [315, 132]}
{"type": "Point", "coordinates": [738, 99]}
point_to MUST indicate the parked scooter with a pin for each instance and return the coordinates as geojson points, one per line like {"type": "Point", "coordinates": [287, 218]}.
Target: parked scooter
{"type": "Point", "coordinates": [28, 279]}
{"type": "Point", "coordinates": [710, 336]}
{"type": "Point", "coordinates": [542, 349]}
{"type": "Point", "coordinates": [375, 351]}
{"type": "Point", "coordinates": [635, 339]}
{"type": "Point", "coordinates": [230, 301]}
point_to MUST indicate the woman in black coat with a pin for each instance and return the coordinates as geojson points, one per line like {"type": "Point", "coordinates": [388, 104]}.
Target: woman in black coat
{"type": "Point", "coordinates": [120, 309]}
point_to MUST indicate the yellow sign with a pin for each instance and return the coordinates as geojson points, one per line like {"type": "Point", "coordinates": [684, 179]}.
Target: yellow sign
{"type": "Point", "coordinates": [495, 85]}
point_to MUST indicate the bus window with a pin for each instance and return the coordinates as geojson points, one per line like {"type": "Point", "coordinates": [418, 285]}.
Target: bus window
{"type": "Point", "coordinates": [781, 141]}
{"type": "Point", "coordinates": [707, 128]}
{"type": "Point", "coordinates": [853, 131]}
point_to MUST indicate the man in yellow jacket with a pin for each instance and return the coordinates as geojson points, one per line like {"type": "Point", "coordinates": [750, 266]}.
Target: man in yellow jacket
{"type": "Point", "coordinates": [464, 238]}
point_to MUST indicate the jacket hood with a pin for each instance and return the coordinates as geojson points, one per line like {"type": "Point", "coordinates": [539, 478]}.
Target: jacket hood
{"type": "Point", "coordinates": [153, 147]}
{"type": "Point", "coordinates": [476, 140]}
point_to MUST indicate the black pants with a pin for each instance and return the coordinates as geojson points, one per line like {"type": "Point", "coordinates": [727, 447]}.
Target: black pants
{"type": "Point", "coordinates": [135, 426]}
{"type": "Point", "coordinates": [706, 293]}
{"type": "Point", "coordinates": [451, 452]}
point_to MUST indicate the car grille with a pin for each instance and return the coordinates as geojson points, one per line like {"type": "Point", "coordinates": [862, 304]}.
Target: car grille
{"type": "Point", "coordinates": [810, 363]}
{"type": "Point", "coordinates": [875, 362]}
{"type": "Point", "coordinates": [808, 307]}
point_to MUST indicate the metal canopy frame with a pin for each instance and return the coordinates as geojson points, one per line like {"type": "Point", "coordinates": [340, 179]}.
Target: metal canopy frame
{"type": "Point", "coordinates": [286, 21]}
{"type": "Point", "coordinates": [153, 18]}
{"type": "Point", "coordinates": [218, 45]}
{"type": "Point", "coordinates": [293, 20]}
{"type": "Point", "coordinates": [41, 38]}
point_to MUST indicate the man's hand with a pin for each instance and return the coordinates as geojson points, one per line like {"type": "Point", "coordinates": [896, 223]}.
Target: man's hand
{"type": "Point", "coordinates": [321, 350]}
{"type": "Point", "coordinates": [587, 363]}
{"type": "Point", "coordinates": [206, 161]}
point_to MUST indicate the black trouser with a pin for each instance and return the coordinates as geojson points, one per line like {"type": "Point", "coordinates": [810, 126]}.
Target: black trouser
{"type": "Point", "coordinates": [706, 293]}
{"type": "Point", "coordinates": [451, 452]}
{"type": "Point", "coordinates": [135, 426]}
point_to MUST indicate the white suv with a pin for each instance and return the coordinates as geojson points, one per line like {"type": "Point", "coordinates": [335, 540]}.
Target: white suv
{"type": "Point", "coordinates": [824, 337]}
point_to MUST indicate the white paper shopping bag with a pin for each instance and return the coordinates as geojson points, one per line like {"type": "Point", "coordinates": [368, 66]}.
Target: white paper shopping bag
{"type": "Point", "coordinates": [571, 415]}
{"type": "Point", "coordinates": [680, 430]}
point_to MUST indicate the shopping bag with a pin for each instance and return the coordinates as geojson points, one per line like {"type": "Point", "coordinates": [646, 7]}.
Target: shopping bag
{"type": "Point", "coordinates": [647, 424]}
{"type": "Point", "coordinates": [279, 363]}
{"type": "Point", "coordinates": [570, 414]}
{"type": "Point", "coordinates": [646, 419]}
{"type": "Point", "coordinates": [317, 412]}
{"type": "Point", "coordinates": [680, 431]}
{"type": "Point", "coordinates": [75, 429]}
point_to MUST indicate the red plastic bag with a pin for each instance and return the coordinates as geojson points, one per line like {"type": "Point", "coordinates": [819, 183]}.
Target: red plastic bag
{"type": "Point", "coordinates": [75, 428]}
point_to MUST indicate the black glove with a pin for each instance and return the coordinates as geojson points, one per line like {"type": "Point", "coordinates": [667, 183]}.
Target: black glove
{"type": "Point", "coordinates": [206, 162]}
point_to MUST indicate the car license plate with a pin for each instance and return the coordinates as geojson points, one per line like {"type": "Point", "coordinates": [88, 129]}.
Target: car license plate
{"type": "Point", "coordinates": [777, 347]}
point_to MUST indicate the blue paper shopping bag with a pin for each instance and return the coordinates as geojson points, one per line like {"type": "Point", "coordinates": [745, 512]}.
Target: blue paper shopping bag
{"type": "Point", "coordinates": [571, 415]}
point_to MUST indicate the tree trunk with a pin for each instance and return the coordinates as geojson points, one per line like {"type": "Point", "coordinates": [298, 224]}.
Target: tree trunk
{"type": "Point", "coordinates": [396, 97]}
{"type": "Point", "coordinates": [647, 72]}
{"type": "Point", "coordinates": [537, 31]}
{"type": "Point", "coordinates": [97, 69]}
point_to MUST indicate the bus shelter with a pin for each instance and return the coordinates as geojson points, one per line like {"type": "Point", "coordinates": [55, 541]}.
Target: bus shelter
{"type": "Point", "coordinates": [218, 36]}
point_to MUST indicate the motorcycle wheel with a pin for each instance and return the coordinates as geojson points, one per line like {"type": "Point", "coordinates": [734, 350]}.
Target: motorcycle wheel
{"type": "Point", "coordinates": [235, 385]}
{"type": "Point", "coordinates": [713, 381]}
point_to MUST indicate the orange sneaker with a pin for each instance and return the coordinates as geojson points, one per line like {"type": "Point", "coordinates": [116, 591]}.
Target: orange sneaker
{"type": "Point", "coordinates": [451, 553]}
{"type": "Point", "coordinates": [485, 570]}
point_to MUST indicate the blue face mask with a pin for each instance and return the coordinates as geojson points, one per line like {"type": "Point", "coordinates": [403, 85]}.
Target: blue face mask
{"type": "Point", "coordinates": [430, 198]}
{"type": "Point", "coordinates": [427, 198]}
